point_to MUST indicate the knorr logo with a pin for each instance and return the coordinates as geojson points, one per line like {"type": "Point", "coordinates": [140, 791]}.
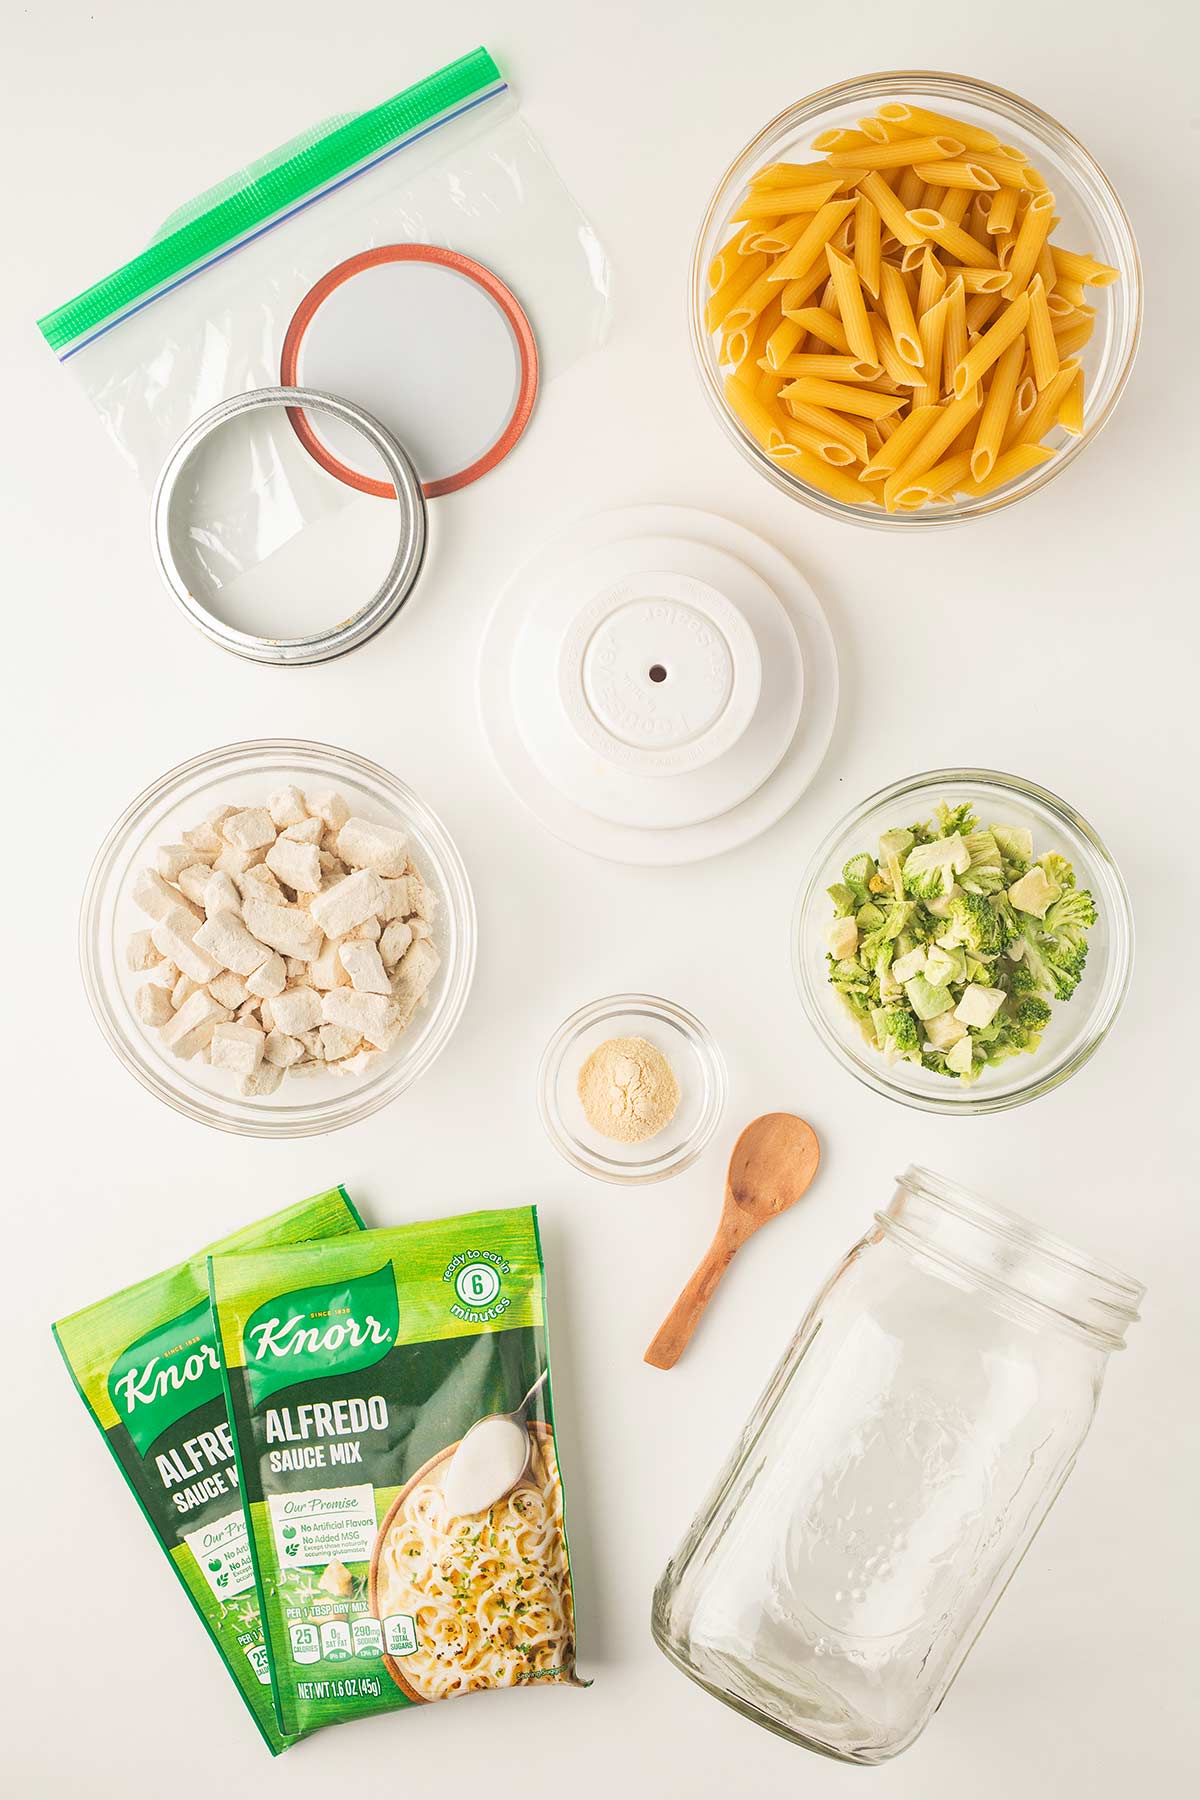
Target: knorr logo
{"type": "Point", "coordinates": [165, 1375]}
{"type": "Point", "coordinates": [320, 1331]}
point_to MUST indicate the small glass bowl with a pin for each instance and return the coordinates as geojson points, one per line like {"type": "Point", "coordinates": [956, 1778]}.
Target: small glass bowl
{"type": "Point", "coordinates": [693, 1055]}
{"type": "Point", "coordinates": [1092, 219]}
{"type": "Point", "coordinates": [247, 773]}
{"type": "Point", "coordinates": [1077, 1026]}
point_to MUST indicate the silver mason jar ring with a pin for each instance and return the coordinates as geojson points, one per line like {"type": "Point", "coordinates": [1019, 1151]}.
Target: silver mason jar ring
{"type": "Point", "coordinates": [387, 599]}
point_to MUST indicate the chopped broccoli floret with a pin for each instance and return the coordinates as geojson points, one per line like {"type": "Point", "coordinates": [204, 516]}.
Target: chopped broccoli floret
{"type": "Point", "coordinates": [1031, 1013]}
{"type": "Point", "coordinates": [971, 921]}
{"type": "Point", "coordinates": [870, 917]}
{"type": "Point", "coordinates": [1058, 869]}
{"type": "Point", "coordinates": [1057, 962]}
{"type": "Point", "coordinates": [1073, 913]}
{"type": "Point", "coordinates": [898, 1028]}
{"type": "Point", "coordinates": [930, 869]}
{"type": "Point", "coordinates": [986, 872]}
{"type": "Point", "coordinates": [1022, 980]}
{"type": "Point", "coordinates": [856, 874]}
{"type": "Point", "coordinates": [955, 818]}
{"type": "Point", "coordinates": [1010, 925]}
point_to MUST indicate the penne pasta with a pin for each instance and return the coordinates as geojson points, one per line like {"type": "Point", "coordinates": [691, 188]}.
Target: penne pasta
{"type": "Point", "coordinates": [1083, 269]}
{"type": "Point", "coordinates": [980, 308]}
{"type": "Point", "coordinates": [824, 325]}
{"type": "Point", "coordinates": [951, 238]}
{"type": "Point", "coordinates": [840, 396]}
{"type": "Point", "coordinates": [730, 291]}
{"type": "Point", "coordinates": [897, 308]}
{"type": "Point", "coordinates": [931, 328]}
{"type": "Point", "coordinates": [1043, 415]}
{"type": "Point", "coordinates": [819, 442]}
{"type": "Point", "coordinates": [751, 301]}
{"type": "Point", "coordinates": [867, 256]}
{"type": "Point", "coordinates": [954, 340]}
{"type": "Point", "coordinates": [890, 210]}
{"type": "Point", "coordinates": [772, 203]}
{"type": "Point", "coordinates": [1074, 337]}
{"type": "Point", "coordinates": [1009, 171]}
{"type": "Point", "coordinates": [900, 154]}
{"type": "Point", "coordinates": [783, 341]}
{"type": "Point", "coordinates": [1009, 467]}
{"type": "Point", "coordinates": [844, 431]}
{"type": "Point", "coordinates": [806, 251]}
{"type": "Point", "coordinates": [851, 306]}
{"type": "Point", "coordinates": [942, 479]}
{"type": "Point", "coordinates": [983, 281]}
{"type": "Point", "coordinates": [840, 139]}
{"type": "Point", "coordinates": [795, 293]}
{"type": "Point", "coordinates": [1073, 292]}
{"type": "Point", "coordinates": [758, 419]}
{"type": "Point", "coordinates": [1070, 411]}
{"type": "Point", "coordinates": [830, 368]}
{"type": "Point", "coordinates": [958, 175]}
{"type": "Point", "coordinates": [933, 280]}
{"type": "Point", "coordinates": [930, 446]}
{"type": "Point", "coordinates": [993, 343]}
{"type": "Point", "coordinates": [839, 484]}
{"type": "Point", "coordinates": [908, 188]}
{"type": "Point", "coordinates": [1043, 350]}
{"type": "Point", "coordinates": [1030, 238]}
{"type": "Point", "coordinates": [955, 205]}
{"type": "Point", "coordinates": [997, 409]}
{"type": "Point", "coordinates": [900, 373]}
{"type": "Point", "coordinates": [902, 440]}
{"type": "Point", "coordinates": [916, 118]}
{"type": "Point", "coordinates": [1003, 212]}
{"type": "Point", "coordinates": [791, 175]}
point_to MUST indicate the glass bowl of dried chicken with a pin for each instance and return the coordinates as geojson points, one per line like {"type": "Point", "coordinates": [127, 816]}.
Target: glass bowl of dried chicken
{"type": "Point", "coordinates": [914, 299]}
{"type": "Point", "coordinates": [141, 862]}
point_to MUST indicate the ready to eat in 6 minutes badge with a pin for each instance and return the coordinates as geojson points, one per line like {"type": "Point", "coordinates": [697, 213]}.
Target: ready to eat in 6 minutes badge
{"type": "Point", "coordinates": [477, 1277]}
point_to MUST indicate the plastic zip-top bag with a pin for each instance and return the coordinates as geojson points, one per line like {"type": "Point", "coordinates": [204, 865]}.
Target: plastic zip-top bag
{"type": "Point", "coordinates": [145, 1365]}
{"type": "Point", "coordinates": [205, 311]}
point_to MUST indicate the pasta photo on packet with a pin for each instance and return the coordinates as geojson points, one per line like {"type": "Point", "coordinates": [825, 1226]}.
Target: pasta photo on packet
{"type": "Point", "coordinates": [394, 1430]}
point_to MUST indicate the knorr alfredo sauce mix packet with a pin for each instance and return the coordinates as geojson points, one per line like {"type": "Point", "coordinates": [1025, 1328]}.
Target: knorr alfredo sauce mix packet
{"type": "Point", "coordinates": [390, 1402]}
{"type": "Point", "coordinates": [146, 1366]}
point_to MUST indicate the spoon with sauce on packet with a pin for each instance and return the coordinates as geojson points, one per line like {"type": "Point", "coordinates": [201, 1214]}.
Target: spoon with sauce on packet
{"type": "Point", "coordinates": [490, 1460]}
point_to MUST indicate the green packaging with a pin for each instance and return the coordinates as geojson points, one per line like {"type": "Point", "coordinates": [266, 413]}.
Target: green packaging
{"type": "Point", "coordinates": [146, 1366]}
{"type": "Point", "coordinates": [353, 1372]}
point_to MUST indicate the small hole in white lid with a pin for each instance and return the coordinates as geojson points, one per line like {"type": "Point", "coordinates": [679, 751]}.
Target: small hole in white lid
{"type": "Point", "coordinates": [657, 672]}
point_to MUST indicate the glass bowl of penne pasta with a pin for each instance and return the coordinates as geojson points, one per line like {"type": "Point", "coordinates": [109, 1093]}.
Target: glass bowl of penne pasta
{"type": "Point", "coordinates": [1081, 991]}
{"type": "Point", "coordinates": [914, 299]}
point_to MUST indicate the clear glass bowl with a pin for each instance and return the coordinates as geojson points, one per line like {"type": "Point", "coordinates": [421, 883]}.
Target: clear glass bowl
{"type": "Point", "coordinates": [1092, 219]}
{"type": "Point", "coordinates": [247, 773]}
{"type": "Point", "coordinates": [693, 1055]}
{"type": "Point", "coordinates": [1077, 1026]}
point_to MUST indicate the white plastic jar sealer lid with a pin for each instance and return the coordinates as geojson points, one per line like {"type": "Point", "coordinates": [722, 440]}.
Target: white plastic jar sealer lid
{"type": "Point", "coordinates": [658, 685]}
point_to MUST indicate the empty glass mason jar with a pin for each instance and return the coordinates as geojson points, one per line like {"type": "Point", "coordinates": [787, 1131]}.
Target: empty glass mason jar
{"type": "Point", "coordinates": [894, 1472]}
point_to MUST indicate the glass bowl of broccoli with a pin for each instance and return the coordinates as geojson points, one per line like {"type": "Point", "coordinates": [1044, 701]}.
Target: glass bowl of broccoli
{"type": "Point", "coordinates": [962, 941]}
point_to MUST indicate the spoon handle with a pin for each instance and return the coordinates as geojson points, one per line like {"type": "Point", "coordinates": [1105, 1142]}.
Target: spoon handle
{"type": "Point", "coordinates": [539, 1383]}
{"type": "Point", "coordinates": [674, 1334]}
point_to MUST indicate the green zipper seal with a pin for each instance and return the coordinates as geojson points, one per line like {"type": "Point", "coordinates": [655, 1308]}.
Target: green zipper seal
{"type": "Point", "coordinates": [266, 195]}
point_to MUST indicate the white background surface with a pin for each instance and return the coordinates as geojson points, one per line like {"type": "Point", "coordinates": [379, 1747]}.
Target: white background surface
{"type": "Point", "coordinates": [1077, 612]}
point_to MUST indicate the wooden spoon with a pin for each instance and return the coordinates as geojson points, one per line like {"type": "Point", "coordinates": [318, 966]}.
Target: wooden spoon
{"type": "Point", "coordinates": [772, 1164]}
